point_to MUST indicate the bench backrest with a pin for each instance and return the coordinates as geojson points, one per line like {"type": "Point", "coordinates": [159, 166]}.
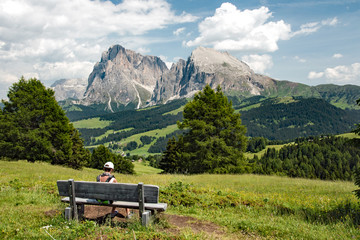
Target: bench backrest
{"type": "Point", "coordinates": [110, 191]}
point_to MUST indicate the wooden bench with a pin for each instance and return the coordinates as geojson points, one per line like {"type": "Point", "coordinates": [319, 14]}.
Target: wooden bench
{"type": "Point", "coordinates": [124, 195]}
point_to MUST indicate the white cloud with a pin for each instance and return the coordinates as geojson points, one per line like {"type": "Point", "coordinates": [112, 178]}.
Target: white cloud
{"type": "Point", "coordinates": [231, 29]}
{"type": "Point", "coordinates": [315, 75]}
{"type": "Point", "coordinates": [56, 34]}
{"type": "Point", "coordinates": [337, 55]}
{"type": "Point", "coordinates": [178, 31]}
{"type": "Point", "coordinates": [330, 22]}
{"type": "Point", "coordinates": [340, 74]}
{"type": "Point", "coordinates": [58, 70]}
{"type": "Point", "coordinates": [312, 27]}
{"type": "Point", "coordinates": [258, 63]}
{"type": "Point", "coordinates": [308, 28]}
{"type": "Point", "coordinates": [248, 30]}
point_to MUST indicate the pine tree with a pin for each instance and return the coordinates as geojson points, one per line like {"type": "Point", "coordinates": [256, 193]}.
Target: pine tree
{"type": "Point", "coordinates": [215, 139]}
{"type": "Point", "coordinates": [100, 156]}
{"type": "Point", "coordinates": [34, 127]}
{"type": "Point", "coordinates": [171, 161]}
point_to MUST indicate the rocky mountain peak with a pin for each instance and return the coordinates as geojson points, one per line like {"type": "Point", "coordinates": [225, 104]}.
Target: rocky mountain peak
{"type": "Point", "coordinates": [208, 66]}
{"type": "Point", "coordinates": [126, 79]}
{"type": "Point", "coordinates": [123, 78]}
{"type": "Point", "coordinates": [210, 60]}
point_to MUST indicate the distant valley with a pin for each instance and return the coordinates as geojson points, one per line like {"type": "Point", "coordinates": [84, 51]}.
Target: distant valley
{"type": "Point", "coordinates": [272, 118]}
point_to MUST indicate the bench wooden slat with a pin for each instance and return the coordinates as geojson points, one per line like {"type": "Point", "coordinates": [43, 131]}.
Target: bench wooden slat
{"type": "Point", "coordinates": [122, 204]}
{"type": "Point", "coordinates": [110, 191]}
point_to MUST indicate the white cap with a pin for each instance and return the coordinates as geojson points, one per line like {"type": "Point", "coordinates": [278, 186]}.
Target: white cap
{"type": "Point", "coordinates": [109, 165]}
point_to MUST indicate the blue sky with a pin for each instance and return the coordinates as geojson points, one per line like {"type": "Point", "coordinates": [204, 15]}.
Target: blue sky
{"type": "Point", "coordinates": [312, 42]}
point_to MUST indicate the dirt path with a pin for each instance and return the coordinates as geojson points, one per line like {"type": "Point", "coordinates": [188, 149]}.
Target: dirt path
{"type": "Point", "coordinates": [177, 224]}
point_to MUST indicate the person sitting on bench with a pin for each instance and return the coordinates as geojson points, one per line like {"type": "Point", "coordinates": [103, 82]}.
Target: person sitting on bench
{"type": "Point", "coordinates": [108, 177]}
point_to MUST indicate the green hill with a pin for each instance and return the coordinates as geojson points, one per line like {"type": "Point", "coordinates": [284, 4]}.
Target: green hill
{"type": "Point", "coordinates": [273, 118]}
{"type": "Point", "coordinates": [340, 96]}
{"type": "Point", "coordinates": [289, 118]}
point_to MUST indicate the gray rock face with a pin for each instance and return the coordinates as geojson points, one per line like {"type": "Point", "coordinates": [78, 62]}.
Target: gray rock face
{"type": "Point", "coordinates": [207, 66]}
{"type": "Point", "coordinates": [123, 77]}
{"type": "Point", "coordinates": [69, 88]}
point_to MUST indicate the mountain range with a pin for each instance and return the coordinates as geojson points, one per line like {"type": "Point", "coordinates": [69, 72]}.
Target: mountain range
{"type": "Point", "coordinates": [124, 79]}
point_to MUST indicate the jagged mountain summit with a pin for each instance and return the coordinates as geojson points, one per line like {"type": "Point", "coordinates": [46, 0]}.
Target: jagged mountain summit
{"type": "Point", "coordinates": [208, 66]}
{"type": "Point", "coordinates": [123, 77]}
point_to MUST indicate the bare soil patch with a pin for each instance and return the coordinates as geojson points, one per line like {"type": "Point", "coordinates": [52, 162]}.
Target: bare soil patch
{"type": "Point", "coordinates": [177, 223]}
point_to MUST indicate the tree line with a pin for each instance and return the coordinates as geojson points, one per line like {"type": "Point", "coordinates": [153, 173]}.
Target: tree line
{"type": "Point", "coordinates": [300, 118]}
{"type": "Point", "coordinates": [326, 158]}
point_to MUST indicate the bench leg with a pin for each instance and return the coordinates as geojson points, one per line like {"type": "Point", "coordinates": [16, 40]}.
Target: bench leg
{"type": "Point", "coordinates": [80, 210]}
{"type": "Point", "coordinates": [145, 218]}
{"type": "Point", "coordinates": [68, 213]}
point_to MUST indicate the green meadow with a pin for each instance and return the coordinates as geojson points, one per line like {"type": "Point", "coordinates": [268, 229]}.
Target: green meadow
{"type": "Point", "coordinates": [262, 152]}
{"type": "Point", "coordinates": [243, 206]}
{"type": "Point", "coordinates": [91, 123]}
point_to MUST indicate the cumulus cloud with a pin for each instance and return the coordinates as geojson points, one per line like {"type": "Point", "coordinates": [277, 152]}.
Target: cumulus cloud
{"type": "Point", "coordinates": [248, 30]}
{"type": "Point", "coordinates": [59, 34]}
{"type": "Point", "coordinates": [57, 70]}
{"type": "Point", "coordinates": [340, 74]}
{"type": "Point", "coordinates": [258, 63]}
{"type": "Point", "coordinates": [231, 29]}
{"type": "Point", "coordinates": [315, 75]}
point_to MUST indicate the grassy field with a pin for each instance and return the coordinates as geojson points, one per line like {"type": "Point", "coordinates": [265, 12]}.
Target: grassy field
{"type": "Point", "coordinates": [260, 207]}
{"type": "Point", "coordinates": [176, 111]}
{"type": "Point", "coordinates": [108, 132]}
{"type": "Point", "coordinates": [143, 168]}
{"type": "Point", "coordinates": [262, 152]}
{"type": "Point", "coordinates": [349, 135]}
{"type": "Point", "coordinates": [91, 123]}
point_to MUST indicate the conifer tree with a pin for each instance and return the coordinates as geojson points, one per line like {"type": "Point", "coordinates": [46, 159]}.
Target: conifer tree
{"type": "Point", "coordinates": [171, 160]}
{"type": "Point", "coordinates": [35, 128]}
{"type": "Point", "coordinates": [215, 139]}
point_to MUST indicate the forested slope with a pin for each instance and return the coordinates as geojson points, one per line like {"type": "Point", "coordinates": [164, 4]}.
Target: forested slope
{"type": "Point", "coordinates": [327, 158]}
{"type": "Point", "coordinates": [298, 118]}
{"type": "Point", "coordinates": [272, 118]}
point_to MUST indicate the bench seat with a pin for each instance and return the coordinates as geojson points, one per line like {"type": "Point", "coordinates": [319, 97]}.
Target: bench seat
{"type": "Point", "coordinates": [121, 204]}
